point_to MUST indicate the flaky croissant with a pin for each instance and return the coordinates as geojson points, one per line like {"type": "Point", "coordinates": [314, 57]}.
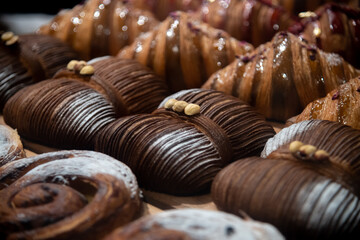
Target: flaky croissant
{"type": "Point", "coordinates": [184, 51]}
{"type": "Point", "coordinates": [254, 21]}
{"type": "Point", "coordinates": [179, 151]}
{"type": "Point", "coordinates": [66, 195]}
{"type": "Point", "coordinates": [306, 183]}
{"type": "Point", "coordinates": [335, 28]}
{"type": "Point", "coordinates": [281, 77]}
{"type": "Point", "coordinates": [340, 105]}
{"type": "Point", "coordinates": [99, 27]}
{"type": "Point", "coordinates": [28, 59]}
{"type": "Point", "coordinates": [162, 8]}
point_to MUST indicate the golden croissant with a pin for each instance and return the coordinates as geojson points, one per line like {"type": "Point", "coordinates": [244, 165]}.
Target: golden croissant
{"type": "Point", "coordinates": [282, 76]}
{"type": "Point", "coordinates": [340, 105]}
{"type": "Point", "coordinates": [99, 27]}
{"type": "Point", "coordinates": [185, 51]}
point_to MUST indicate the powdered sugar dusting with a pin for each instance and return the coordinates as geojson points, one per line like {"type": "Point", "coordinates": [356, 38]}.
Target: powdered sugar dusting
{"type": "Point", "coordinates": [205, 224]}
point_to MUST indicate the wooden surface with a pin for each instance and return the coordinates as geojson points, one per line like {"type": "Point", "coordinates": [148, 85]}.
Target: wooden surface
{"type": "Point", "coordinates": [153, 202]}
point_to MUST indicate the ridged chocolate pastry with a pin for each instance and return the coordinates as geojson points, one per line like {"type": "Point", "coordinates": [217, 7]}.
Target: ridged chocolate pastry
{"type": "Point", "coordinates": [306, 184]}
{"type": "Point", "coordinates": [99, 27]}
{"type": "Point", "coordinates": [11, 147]}
{"type": "Point", "coordinates": [27, 59]}
{"type": "Point", "coordinates": [66, 195]}
{"type": "Point", "coordinates": [254, 21]}
{"type": "Point", "coordinates": [335, 28]}
{"type": "Point", "coordinates": [180, 148]}
{"type": "Point", "coordinates": [340, 105]}
{"type": "Point", "coordinates": [185, 51]}
{"type": "Point", "coordinates": [69, 110]}
{"type": "Point", "coordinates": [281, 77]}
{"type": "Point", "coordinates": [195, 224]}
{"type": "Point", "coordinates": [162, 8]}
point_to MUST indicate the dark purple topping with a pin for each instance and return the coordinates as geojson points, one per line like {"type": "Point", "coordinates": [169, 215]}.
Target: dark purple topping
{"type": "Point", "coordinates": [358, 89]}
{"type": "Point", "coordinates": [247, 58]}
{"type": "Point", "coordinates": [312, 57]}
{"type": "Point", "coordinates": [335, 96]}
{"type": "Point", "coordinates": [283, 34]}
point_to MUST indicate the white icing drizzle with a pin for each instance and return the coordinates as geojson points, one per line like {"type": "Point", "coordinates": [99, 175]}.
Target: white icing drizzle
{"type": "Point", "coordinates": [205, 224]}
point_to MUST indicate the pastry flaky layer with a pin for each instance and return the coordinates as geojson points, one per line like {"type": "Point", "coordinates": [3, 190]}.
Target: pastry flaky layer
{"type": "Point", "coordinates": [99, 27]}
{"type": "Point", "coordinates": [282, 76]}
{"type": "Point", "coordinates": [340, 105]}
{"type": "Point", "coordinates": [70, 109]}
{"type": "Point", "coordinates": [193, 224]}
{"type": "Point", "coordinates": [66, 195]}
{"type": "Point", "coordinates": [30, 59]}
{"type": "Point", "coordinates": [306, 184]}
{"type": "Point", "coordinates": [185, 51]}
{"type": "Point", "coordinates": [11, 147]}
{"type": "Point", "coordinates": [177, 153]}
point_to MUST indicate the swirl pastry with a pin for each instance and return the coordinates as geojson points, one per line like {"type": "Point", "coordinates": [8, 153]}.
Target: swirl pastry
{"type": "Point", "coordinates": [178, 152]}
{"type": "Point", "coordinates": [307, 186]}
{"type": "Point", "coordinates": [66, 195]}
{"type": "Point", "coordinates": [184, 51]}
{"type": "Point", "coordinates": [11, 147]}
{"type": "Point", "coordinates": [254, 21]}
{"type": "Point", "coordinates": [340, 105]}
{"type": "Point", "coordinates": [162, 8]}
{"type": "Point", "coordinates": [335, 28]}
{"type": "Point", "coordinates": [193, 224]}
{"type": "Point", "coordinates": [69, 110]}
{"type": "Point", "coordinates": [99, 27]}
{"type": "Point", "coordinates": [27, 59]}
{"type": "Point", "coordinates": [282, 76]}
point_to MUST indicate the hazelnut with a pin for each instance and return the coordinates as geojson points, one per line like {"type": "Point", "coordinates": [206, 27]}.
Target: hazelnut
{"type": "Point", "coordinates": [79, 65]}
{"type": "Point", "coordinates": [321, 155]}
{"type": "Point", "coordinates": [72, 64]}
{"type": "Point", "coordinates": [87, 70]}
{"type": "Point", "coordinates": [12, 40]}
{"type": "Point", "coordinates": [170, 103]}
{"type": "Point", "coordinates": [192, 109]}
{"type": "Point", "coordinates": [179, 106]}
{"type": "Point", "coordinates": [7, 36]}
{"type": "Point", "coordinates": [307, 14]}
{"type": "Point", "coordinates": [307, 150]}
{"type": "Point", "coordinates": [295, 146]}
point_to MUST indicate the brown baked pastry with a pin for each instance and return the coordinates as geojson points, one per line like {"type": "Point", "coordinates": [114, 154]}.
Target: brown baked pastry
{"type": "Point", "coordinates": [282, 76]}
{"type": "Point", "coordinates": [194, 224]}
{"type": "Point", "coordinates": [307, 186]}
{"type": "Point", "coordinates": [334, 28]}
{"type": "Point", "coordinates": [66, 195]}
{"type": "Point", "coordinates": [162, 8]}
{"type": "Point", "coordinates": [178, 152]}
{"type": "Point", "coordinates": [99, 27]}
{"type": "Point", "coordinates": [185, 51]}
{"type": "Point", "coordinates": [340, 105]}
{"type": "Point", "coordinates": [11, 147]}
{"type": "Point", "coordinates": [254, 21]}
{"type": "Point", "coordinates": [297, 6]}
{"type": "Point", "coordinates": [69, 110]}
{"type": "Point", "coordinates": [27, 59]}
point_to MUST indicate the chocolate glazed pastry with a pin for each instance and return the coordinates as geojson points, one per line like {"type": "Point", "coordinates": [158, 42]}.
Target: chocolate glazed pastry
{"type": "Point", "coordinates": [27, 59]}
{"type": "Point", "coordinates": [66, 195]}
{"type": "Point", "coordinates": [185, 51]}
{"type": "Point", "coordinates": [340, 105]}
{"type": "Point", "coordinates": [194, 224]}
{"type": "Point", "coordinates": [281, 77]}
{"type": "Point", "coordinates": [334, 28]}
{"type": "Point", "coordinates": [307, 186]}
{"type": "Point", "coordinates": [254, 21]}
{"type": "Point", "coordinates": [99, 27]}
{"type": "Point", "coordinates": [178, 152]}
{"type": "Point", "coordinates": [162, 8]}
{"type": "Point", "coordinates": [69, 110]}
{"type": "Point", "coordinates": [11, 147]}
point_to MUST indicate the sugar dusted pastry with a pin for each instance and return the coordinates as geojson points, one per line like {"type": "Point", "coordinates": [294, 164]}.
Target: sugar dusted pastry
{"type": "Point", "coordinates": [11, 147]}
{"type": "Point", "coordinates": [185, 51]}
{"type": "Point", "coordinates": [281, 77]}
{"type": "Point", "coordinates": [66, 195]}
